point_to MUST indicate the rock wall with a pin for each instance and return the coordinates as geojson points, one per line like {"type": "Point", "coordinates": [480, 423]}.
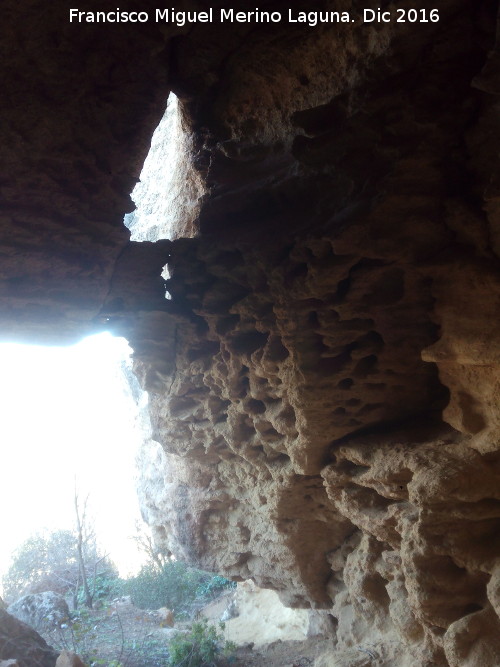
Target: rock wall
{"type": "Point", "coordinates": [330, 422]}
{"type": "Point", "coordinates": [324, 378]}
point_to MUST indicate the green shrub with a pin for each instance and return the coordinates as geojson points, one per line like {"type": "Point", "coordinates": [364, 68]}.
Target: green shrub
{"type": "Point", "coordinates": [203, 646]}
{"type": "Point", "coordinates": [175, 585]}
{"type": "Point", "coordinates": [213, 586]}
{"type": "Point", "coordinates": [105, 586]}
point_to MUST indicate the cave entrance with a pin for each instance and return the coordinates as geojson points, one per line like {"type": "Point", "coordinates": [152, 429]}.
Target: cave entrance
{"type": "Point", "coordinates": [69, 413]}
{"type": "Point", "coordinates": [167, 196]}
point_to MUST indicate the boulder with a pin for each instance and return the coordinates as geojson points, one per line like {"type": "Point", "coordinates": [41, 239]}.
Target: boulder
{"type": "Point", "coordinates": [166, 617]}
{"type": "Point", "coordinates": [257, 615]}
{"type": "Point", "coordinates": [22, 644]}
{"type": "Point", "coordinates": [41, 610]}
{"type": "Point", "coordinates": [68, 659]}
{"type": "Point", "coordinates": [123, 600]}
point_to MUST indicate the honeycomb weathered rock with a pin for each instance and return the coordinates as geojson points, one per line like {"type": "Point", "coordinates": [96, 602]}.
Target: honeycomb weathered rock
{"type": "Point", "coordinates": [324, 379]}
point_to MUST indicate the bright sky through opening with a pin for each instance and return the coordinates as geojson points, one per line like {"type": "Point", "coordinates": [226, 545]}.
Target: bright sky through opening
{"type": "Point", "coordinates": [67, 411]}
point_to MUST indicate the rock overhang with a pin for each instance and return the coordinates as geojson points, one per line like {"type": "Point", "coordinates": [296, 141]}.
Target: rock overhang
{"type": "Point", "coordinates": [349, 228]}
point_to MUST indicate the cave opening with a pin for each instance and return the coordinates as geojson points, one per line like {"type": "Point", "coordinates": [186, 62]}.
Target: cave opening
{"type": "Point", "coordinates": [323, 383]}
{"type": "Point", "coordinates": [70, 420]}
{"type": "Point", "coordinates": [167, 195]}
{"type": "Point", "coordinates": [87, 410]}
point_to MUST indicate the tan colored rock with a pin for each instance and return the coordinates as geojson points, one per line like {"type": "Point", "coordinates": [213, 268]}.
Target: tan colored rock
{"type": "Point", "coordinates": [254, 615]}
{"type": "Point", "coordinates": [69, 659]}
{"type": "Point", "coordinates": [166, 617]}
{"type": "Point", "coordinates": [324, 379]}
{"type": "Point", "coordinates": [473, 640]}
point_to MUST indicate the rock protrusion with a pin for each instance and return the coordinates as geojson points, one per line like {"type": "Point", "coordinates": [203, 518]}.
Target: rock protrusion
{"type": "Point", "coordinates": [21, 642]}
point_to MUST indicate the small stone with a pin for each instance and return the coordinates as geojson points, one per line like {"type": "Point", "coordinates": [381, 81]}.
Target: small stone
{"type": "Point", "coordinates": [69, 659]}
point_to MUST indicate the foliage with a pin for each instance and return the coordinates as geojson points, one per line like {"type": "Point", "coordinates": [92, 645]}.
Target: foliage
{"type": "Point", "coordinates": [213, 586]}
{"type": "Point", "coordinates": [105, 585]}
{"type": "Point", "coordinates": [107, 634]}
{"type": "Point", "coordinates": [165, 582]}
{"type": "Point", "coordinates": [157, 555]}
{"type": "Point", "coordinates": [173, 586]}
{"type": "Point", "coordinates": [201, 647]}
{"type": "Point", "coordinates": [176, 586]}
{"type": "Point", "coordinates": [48, 562]}
{"type": "Point", "coordinates": [40, 560]}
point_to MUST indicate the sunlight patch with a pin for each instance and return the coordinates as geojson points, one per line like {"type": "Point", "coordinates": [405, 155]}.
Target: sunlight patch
{"type": "Point", "coordinates": [68, 412]}
{"type": "Point", "coordinates": [168, 194]}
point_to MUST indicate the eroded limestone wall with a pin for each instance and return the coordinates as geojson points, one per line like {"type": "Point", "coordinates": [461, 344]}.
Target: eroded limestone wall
{"type": "Point", "coordinates": [324, 379]}
{"type": "Point", "coordinates": [332, 415]}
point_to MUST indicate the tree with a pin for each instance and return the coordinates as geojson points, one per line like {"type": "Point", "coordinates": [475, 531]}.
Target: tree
{"type": "Point", "coordinates": [157, 556]}
{"type": "Point", "coordinates": [48, 561]}
{"type": "Point", "coordinates": [42, 562]}
{"type": "Point", "coordinates": [87, 553]}
{"type": "Point", "coordinates": [80, 516]}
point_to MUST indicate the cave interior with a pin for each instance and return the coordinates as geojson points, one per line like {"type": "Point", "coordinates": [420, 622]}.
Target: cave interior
{"type": "Point", "coordinates": [324, 377]}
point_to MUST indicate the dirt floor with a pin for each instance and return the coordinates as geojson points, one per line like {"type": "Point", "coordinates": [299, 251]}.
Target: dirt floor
{"type": "Point", "coordinates": [133, 637]}
{"type": "Point", "coordinates": [282, 654]}
{"type": "Point", "coordinates": [122, 635]}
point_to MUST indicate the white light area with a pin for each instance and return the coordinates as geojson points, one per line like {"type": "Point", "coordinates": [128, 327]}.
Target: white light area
{"type": "Point", "coordinates": [66, 412]}
{"type": "Point", "coordinates": [169, 190]}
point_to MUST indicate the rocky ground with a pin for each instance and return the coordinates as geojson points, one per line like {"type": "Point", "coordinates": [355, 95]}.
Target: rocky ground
{"type": "Point", "coordinates": [283, 654]}
{"type": "Point", "coordinates": [128, 635]}
{"type": "Point", "coordinates": [135, 638]}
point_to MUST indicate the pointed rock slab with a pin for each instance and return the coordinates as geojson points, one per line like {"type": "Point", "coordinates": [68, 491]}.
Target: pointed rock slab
{"type": "Point", "coordinates": [19, 641]}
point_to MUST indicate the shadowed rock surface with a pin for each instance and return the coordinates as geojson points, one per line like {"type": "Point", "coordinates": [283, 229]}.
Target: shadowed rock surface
{"type": "Point", "coordinates": [324, 379]}
{"type": "Point", "coordinates": [19, 641]}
